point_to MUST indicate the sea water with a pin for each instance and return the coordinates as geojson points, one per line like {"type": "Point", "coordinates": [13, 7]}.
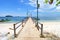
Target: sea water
{"type": "Point", "coordinates": [13, 19]}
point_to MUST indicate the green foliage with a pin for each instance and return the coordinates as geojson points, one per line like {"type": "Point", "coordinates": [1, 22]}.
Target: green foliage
{"type": "Point", "coordinates": [58, 3]}
{"type": "Point", "coordinates": [51, 1]}
{"type": "Point", "coordinates": [38, 5]}
{"type": "Point", "coordinates": [57, 0]}
{"type": "Point", "coordinates": [2, 20]}
{"type": "Point", "coordinates": [46, 1]}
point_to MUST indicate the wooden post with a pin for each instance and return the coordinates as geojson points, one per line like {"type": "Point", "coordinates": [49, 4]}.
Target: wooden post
{"type": "Point", "coordinates": [25, 21]}
{"type": "Point", "coordinates": [22, 23]}
{"type": "Point", "coordinates": [42, 30]}
{"type": "Point", "coordinates": [14, 31]}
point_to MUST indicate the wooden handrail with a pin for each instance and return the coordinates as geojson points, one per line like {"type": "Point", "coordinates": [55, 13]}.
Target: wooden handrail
{"type": "Point", "coordinates": [41, 30]}
{"type": "Point", "coordinates": [17, 23]}
{"type": "Point", "coordinates": [39, 27]}
{"type": "Point", "coordinates": [18, 26]}
{"type": "Point", "coordinates": [14, 31]}
{"type": "Point", "coordinates": [39, 23]}
{"type": "Point", "coordinates": [34, 21]}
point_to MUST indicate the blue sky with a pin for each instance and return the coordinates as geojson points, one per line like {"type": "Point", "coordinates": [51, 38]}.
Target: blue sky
{"type": "Point", "coordinates": [19, 8]}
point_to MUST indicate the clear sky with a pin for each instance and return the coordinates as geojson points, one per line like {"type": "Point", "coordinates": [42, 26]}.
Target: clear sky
{"type": "Point", "coordinates": [19, 8]}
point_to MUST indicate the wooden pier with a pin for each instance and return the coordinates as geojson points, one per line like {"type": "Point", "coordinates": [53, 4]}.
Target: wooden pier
{"type": "Point", "coordinates": [29, 31]}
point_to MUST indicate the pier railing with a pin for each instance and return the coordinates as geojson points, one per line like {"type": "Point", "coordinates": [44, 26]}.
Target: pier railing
{"type": "Point", "coordinates": [21, 24]}
{"type": "Point", "coordinates": [40, 26]}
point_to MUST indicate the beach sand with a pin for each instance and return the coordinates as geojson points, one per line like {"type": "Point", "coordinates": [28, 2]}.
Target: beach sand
{"type": "Point", "coordinates": [5, 29]}
{"type": "Point", "coordinates": [52, 27]}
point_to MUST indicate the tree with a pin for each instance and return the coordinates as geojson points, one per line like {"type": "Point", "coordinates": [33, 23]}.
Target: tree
{"type": "Point", "coordinates": [51, 1]}
{"type": "Point", "coordinates": [46, 1]}
{"type": "Point", "coordinates": [58, 3]}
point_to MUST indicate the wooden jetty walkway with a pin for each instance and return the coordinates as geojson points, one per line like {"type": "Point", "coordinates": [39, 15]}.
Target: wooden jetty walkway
{"type": "Point", "coordinates": [29, 32]}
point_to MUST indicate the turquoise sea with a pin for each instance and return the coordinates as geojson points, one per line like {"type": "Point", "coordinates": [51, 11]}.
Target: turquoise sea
{"type": "Point", "coordinates": [19, 19]}
{"type": "Point", "coordinates": [13, 19]}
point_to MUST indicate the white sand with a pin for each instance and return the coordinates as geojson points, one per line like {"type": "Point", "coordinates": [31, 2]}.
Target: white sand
{"type": "Point", "coordinates": [52, 27]}
{"type": "Point", "coordinates": [4, 29]}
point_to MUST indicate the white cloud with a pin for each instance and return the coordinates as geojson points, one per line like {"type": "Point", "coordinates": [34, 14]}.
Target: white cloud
{"type": "Point", "coordinates": [33, 3]}
{"type": "Point", "coordinates": [18, 8]}
{"type": "Point", "coordinates": [42, 4]}
{"type": "Point", "coordinates": [39, 10]}
{"type": "Point", "coordinates": [58, 7]}
{"type": "Point", "coordinates": [44, 7]}
{"type": "Point", "coordinates": [21, 1]}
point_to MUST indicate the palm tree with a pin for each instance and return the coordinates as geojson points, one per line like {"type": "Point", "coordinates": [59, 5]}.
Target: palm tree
{"type": "Point", "coordinates": [37, 13]}
{"type": "Point", "coordinates": [38, 5]}
{"type": "Point", "coordinates": [46, 1]}
{"type": "Point", "coordinates": [58, 2]}
{"type": "Point", "coordinates": [51, 1]}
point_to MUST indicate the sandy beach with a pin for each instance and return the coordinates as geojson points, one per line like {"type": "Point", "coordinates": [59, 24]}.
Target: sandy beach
{"type": "Point", "coordinates": [5, 28]}
{"type": "Point", "coordinates": [52, 27]}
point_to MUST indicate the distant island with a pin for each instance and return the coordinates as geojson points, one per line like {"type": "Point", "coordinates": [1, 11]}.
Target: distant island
{"type": "Point", "coordinates": [6, 19]}
{"type": "Point", "coordinates": [8, 16]}
{"type": "Point", "coordinates": [2, 20]}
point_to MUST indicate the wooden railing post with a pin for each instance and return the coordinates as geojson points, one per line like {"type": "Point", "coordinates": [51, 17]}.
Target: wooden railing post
{"type": "Point", "coordinates": [14, 31]}
{"type": "Point", "coordinates": [42, 30]}
{"type": "Point", "coordinates": [22, 23]}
